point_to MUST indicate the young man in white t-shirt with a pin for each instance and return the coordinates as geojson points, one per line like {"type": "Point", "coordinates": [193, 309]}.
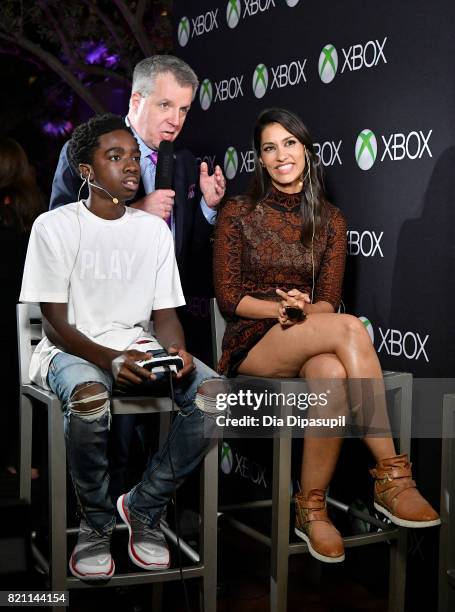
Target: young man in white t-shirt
{"type": "Point", "coordinates": [100, 271]}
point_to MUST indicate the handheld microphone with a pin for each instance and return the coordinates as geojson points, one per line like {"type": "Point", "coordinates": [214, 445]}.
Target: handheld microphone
{"type": "Point", "coordinates": [164, 165]}
{"type": "Point", "coordinates": [114, 199]}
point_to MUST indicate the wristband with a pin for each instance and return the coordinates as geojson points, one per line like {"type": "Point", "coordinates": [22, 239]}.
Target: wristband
{"type": "Point", "coordinates": [116, 365]}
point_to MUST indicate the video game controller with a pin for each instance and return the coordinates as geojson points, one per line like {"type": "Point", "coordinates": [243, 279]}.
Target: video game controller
{"type": "Point", "coordinates": [160, 364]}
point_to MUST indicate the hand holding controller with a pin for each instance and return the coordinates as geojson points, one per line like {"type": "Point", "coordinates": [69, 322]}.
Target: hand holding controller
{"type": "Point", "coordinates": [160, 364]}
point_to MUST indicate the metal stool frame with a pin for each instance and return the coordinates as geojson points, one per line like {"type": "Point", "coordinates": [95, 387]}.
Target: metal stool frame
{"type": "Point", "coordinates": [204, 562]}
{"type": "Point", "coordinates": [278, 541]}
{"type": "Point", "coordinates": [447, 533]}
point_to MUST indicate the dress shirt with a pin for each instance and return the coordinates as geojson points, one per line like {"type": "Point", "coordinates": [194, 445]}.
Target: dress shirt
{"type": "Point", "coordinates": [148, 173]}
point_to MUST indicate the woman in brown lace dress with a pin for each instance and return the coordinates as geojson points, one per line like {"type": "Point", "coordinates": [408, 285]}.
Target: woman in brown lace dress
{"type": "Point", "coordinates": [283, 245]}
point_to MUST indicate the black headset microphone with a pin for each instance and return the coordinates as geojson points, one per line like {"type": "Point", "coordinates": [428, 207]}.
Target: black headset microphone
{"type": "Point", "coordinates": [114, 199]}
{"type": "Point", "coordinates": [86, 179]}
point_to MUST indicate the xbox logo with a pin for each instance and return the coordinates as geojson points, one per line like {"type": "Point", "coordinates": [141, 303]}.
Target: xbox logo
{"type": "Point", "coordinates": [231, 162]}
{"type": "Point", "coordinates": [368, 327]}
{"type": "Point", "coordinates": [226, 459]}
{"type": "Point", "coordinates": [206, 94]}
{"type": "Point", "coordinates": [183, 33]}
{"type": "Point", "coordinates": [233, 12]}
{"type": "Point", "coordinates": [260, 80]}
{"type": "Point", "coordinates": [366, 148]}
{"type": "Point", "coordinates": [292, 3]}
{"type": "Point", "coordinates": [328, 63]}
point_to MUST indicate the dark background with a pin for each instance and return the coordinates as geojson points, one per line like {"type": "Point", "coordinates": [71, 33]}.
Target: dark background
{"type": "Point", "coordinates": [407, 285]}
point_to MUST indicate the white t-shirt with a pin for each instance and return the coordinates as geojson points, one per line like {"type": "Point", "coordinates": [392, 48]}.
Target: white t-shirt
{"type": "Point", "coordinates": [112, 274]}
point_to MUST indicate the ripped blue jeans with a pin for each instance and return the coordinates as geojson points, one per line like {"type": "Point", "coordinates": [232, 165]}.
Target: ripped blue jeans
{"type": "Point", "coordinates": [87, 441]}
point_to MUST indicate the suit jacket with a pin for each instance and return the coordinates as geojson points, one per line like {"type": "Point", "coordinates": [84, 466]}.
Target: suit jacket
{"type": "Point", "coordinates": [192, 231]}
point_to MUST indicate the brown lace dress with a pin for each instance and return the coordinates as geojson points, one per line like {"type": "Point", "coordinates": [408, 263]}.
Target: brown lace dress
{"type": "Point", "coordinates": [259, 249]}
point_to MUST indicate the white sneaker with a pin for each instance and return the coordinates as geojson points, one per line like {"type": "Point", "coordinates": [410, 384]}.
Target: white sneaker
{"type": "Point", "coordinates": [91, 558]}
{"type": "Point", "coordinates": [147, 546]}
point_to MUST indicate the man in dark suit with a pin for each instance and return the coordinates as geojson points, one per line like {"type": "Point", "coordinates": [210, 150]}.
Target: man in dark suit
{"type": "Point", "coordinates": [162, 92]}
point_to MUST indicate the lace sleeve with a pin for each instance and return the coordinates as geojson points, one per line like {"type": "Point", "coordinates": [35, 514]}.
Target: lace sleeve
{"type": "Point", "coordinates": [330, 278]}
{"type": "Point", "coordinates": [227, 257]}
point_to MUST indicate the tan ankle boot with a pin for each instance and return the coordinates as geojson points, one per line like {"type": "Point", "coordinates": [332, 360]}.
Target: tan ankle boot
{"type": "Point", "coordinates": [396, 495]}
{"type": "Point", "coordinates": [313, 525]}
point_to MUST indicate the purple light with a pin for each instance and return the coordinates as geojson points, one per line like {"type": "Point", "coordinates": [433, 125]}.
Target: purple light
{"type": "Point", "coordinates": [57, 128]}
{"type": "Point", "coordinates": [98, 53]}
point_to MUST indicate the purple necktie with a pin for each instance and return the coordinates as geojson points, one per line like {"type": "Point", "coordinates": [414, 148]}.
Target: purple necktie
{"type": "Point", "coordinates": [154, 159]}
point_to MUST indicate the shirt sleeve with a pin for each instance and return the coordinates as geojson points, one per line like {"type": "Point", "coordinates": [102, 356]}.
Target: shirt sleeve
{"type": "Point", "coordinates": [330, 278]}
{"type": "Point", "coordinates": [46, 277]}
{"type": "Point", "coordinates": [168, 289]}
{"type": "Point", "coordinates": [227, 258]}
{"type": "Point", "coordinates": [209, 213]}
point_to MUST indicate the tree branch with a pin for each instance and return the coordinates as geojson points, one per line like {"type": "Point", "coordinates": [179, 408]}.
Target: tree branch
{"type": "Point", "coordinates": [63, 38]}
{"type": "Point", "coordinates": [101, 71]}
{"type": "Point", "coordinates": [26, 57]}
{"type": "Point", "coordinates": [109, 24]}
{"type": "Point", "coordinates": [55, 65]}
{"type": "Point", "coordinates": [140, 10]}
{"type": "Point", "coordinates": [81, 66]}
{"type": "Point", "coordinates": [135, 28]}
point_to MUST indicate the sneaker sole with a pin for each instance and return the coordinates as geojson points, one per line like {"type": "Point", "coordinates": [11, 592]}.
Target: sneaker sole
{"type": "Point", "coordinates": [134, 558]}
{"type": "Point", "coordinates": [314, 553]}
{"type": "Point", "coordinates": [404, 522]}
{"type": "Point", "coordinates": [101, 577]}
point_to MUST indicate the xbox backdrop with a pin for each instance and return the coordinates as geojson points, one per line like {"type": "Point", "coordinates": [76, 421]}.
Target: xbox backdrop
{"type": "Point", "coordinates": [374, 84]}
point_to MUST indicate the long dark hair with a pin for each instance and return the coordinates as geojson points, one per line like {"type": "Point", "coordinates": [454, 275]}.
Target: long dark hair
{"type": "Point", "coordinates": [313, 199]}
{"type": "Point", "coordinates": [20, 198]}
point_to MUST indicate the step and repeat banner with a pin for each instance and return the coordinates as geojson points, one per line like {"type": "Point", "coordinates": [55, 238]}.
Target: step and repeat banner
{"type": "Point", "coordinates": [374, 84]}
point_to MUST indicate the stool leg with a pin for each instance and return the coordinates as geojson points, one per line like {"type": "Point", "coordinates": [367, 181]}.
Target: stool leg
{"type": "Point", "coordinates": [280, 524]}
{"type": "Point", "coordinates": [398, 547]}
{"type": "Point", "coordinates": [397, 572]}
{"type": "Point", "coordinates": [208, 529]}
{"type": "Point", "coordinates": [25, 445]}
{"type": "Point", "coordinates": [404, 401]}
{"type": "Point", "coordinates": [157, 597]}
{"type": "Point", "coordinates": [447, 533]}
{"type": "Point", "coordinates": [58, 561]}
